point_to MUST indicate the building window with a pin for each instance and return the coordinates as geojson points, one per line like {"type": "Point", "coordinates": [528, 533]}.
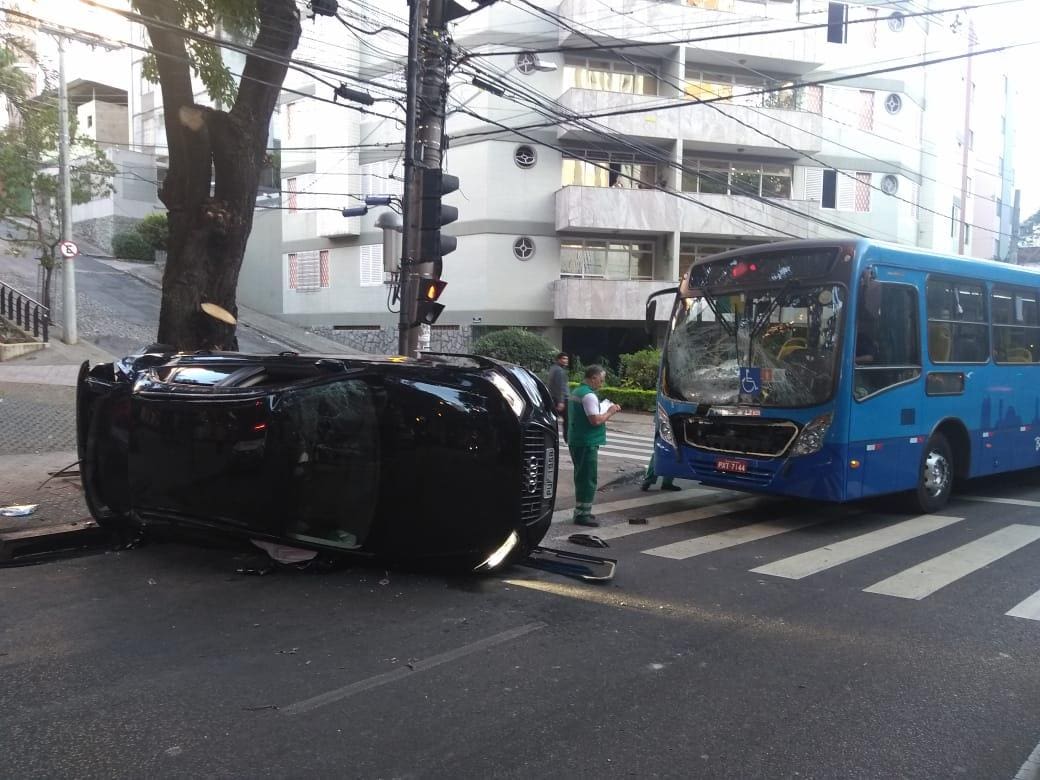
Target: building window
{"type": "Point", "coordinates": [692, 251]}
{"type": "Point", "coordinates": [863, 192]}
{"type": "Point", "coordinates": [290, 187]}
{"type": "Point", "coordinates": [308, 271]}
{"type": "Point", "coordinates": [999, 206]}
{"type": "Point", "coordinates": [971, 139]}
{"type": "Point", "coordinates": [866, 109]}
{"type": "Point", "coordinates": [383, 177]}
{"type": "Point", "coordinates": [744, 89]}
{"type": "Point", "coordinates": [829, 197]}
{"type": "Point", "coordinates": [595, 259]}
{"type": "Point", "coordinates": [371, 265]}
{"type": "Point", "coordinates": [812, 98]}
{"type": "Point", "coordinates": [736, 177]}
{"type": "Point", "coordinates": [837, 18]}
{"type": "Point", "coordinates": [608, 169]}
{"type": "Point", "coordinates": [609, 76]}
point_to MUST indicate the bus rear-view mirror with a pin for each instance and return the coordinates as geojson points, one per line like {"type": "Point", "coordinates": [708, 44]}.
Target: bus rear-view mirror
{"type": "Point", "coordinates": [651, 314]}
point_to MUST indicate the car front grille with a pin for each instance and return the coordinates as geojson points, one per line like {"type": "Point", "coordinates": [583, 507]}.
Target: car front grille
{"type": "Point", "coordinates": [740, 436]}
{"type": "Point", "coordinates": [536, 467]}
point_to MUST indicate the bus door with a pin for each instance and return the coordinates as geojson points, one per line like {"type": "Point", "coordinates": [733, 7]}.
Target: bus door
{"type": "Point", "coordinates": [885, 420]}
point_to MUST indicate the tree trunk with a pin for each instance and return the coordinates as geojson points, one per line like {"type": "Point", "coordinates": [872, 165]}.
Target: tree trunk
{"type": "Point", "coordinates": [215, 162]}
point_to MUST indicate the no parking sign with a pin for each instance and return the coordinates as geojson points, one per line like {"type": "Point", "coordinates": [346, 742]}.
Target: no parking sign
{"type": "Point", "coordinates": [68, 249]}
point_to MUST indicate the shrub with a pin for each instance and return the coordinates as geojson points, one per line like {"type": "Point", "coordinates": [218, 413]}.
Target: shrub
{"type": "Point", "coordinates": [515, 345]}
{"type": "Point", "coordinates": [130, 245]}
{"type": "Point", "coordinates": [630, 399]}
{"type": "Point", "coordinates": [639, 369]}
{"type": "Point", "coordinates": [155, 229]}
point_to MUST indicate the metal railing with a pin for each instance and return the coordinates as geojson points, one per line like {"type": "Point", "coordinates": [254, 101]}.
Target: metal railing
{"type": "Point", "coordinates": [25, 312]}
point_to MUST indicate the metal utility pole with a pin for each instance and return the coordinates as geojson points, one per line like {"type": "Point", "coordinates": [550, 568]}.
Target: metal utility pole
{"type": "Point", "coordinates": [68, 307]}
{"type": "Point", "coordinates": [424, 132]}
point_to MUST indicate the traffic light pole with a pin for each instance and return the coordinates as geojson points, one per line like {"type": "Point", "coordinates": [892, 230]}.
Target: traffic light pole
{"type": "Point", "coordinates": [424, 133]}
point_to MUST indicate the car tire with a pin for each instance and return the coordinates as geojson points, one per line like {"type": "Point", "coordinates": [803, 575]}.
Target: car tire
{"type": "Point", "coordinates": [934, 476]}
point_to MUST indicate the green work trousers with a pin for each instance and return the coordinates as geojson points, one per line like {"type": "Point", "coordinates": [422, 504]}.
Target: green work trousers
{"type": "Point", "coordinates": [586, 476]}
{"type": "Point", "coordinates": [650, 476]}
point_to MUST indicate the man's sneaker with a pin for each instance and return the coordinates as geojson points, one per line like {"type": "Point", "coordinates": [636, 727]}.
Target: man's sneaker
{"type": "Point", "coordinates": [587, 520]}
{"type": "Point", "coordinates": [670, 487]}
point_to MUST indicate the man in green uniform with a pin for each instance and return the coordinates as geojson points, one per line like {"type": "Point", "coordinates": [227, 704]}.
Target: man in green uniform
{"type": "Point", "coordinates": [587, 430]}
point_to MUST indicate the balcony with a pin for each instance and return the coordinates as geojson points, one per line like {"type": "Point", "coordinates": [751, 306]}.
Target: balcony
{"type": "Point", "coordinates": [610, 211]}
{"type": "Point", "coordinates": [637, 20]}
{"type": "Point", "coordinates": [599, 299]}
{"type": "Point", "coordinates": [702, 127]}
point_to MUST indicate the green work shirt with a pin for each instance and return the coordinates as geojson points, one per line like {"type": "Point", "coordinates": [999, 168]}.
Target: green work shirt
{"type": "Point", "coordinates": [580, 432]}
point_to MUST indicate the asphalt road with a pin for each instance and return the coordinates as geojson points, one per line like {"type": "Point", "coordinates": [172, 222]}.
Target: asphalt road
{"type": "Point", "coordinates": [162, 661]}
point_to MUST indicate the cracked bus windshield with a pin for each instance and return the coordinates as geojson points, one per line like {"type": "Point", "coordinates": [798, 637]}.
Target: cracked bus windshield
{"type": "Point", "coordinates": [774, 347]}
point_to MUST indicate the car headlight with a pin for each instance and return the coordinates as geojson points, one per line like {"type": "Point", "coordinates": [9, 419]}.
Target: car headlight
{"type": "Point", "coordinates": [664, 427]}
{"type": "Point", "coordinates": [810, 440]}
{"type": "Point", "coordinates": [516, 403]}
{"type": "Point", "coordinates": [498, 556]}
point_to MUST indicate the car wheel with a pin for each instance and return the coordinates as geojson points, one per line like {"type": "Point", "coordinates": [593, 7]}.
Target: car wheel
{"type": "Point", "coordinates": [935, 476]}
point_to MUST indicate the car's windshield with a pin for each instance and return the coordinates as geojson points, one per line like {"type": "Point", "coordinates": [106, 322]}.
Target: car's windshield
{"type": "Point", "coordinates": [775, 347]}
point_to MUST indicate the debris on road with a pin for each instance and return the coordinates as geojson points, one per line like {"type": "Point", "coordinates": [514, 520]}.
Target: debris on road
{"type": "Point", "coordinates": [637, 521]}
{"type": "Point", "coordinates": [18, 510]}
{"type": "Point", "coordinates": [587, 540]}
{"type": "Point", "coordinates": [589, 568]}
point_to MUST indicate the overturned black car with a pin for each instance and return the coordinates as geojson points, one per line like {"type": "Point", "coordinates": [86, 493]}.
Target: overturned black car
{"type": "Point", "coordinates": [448, 458]}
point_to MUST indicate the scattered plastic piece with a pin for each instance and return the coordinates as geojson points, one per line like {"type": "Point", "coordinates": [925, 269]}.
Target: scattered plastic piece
{"type": "Point", "coordinates": [637, 521]}
{"type": "Point", "coordinates": [588, 568]}
{"type": "Point", "coordinates": [18, 510]}
{"type": "Point", "coordinates": [587, 540]}
{"type": "Point", "coordinates": [283, 553]}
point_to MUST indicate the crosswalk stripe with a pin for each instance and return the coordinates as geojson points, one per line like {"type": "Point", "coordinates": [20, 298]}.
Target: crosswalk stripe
{"type": "Point", "coordinates": [625, 448]}
{"type": "Point", "coordinates": [931, 575]}
{"type": "Point", "coordinates": [562, 515]}
{"type": "Point", "coordinates": [1028, 609]}
{"type": "Point", "coordinates": [632, 457]}
{"type": "Point", "coordinates": [613, 435]}
{"type": "Point", "coordinates": [689, 548]}
{"type": "Point", "coordinates": [1010, 501]}
{"type": "Point", "coordinates": [677, 518]}
{"type": "Point", "coordinates": [798, 566]}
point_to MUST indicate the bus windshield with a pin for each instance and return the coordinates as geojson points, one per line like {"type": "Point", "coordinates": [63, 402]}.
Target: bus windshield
{"type": "Point", "coordinates": [771, 347]}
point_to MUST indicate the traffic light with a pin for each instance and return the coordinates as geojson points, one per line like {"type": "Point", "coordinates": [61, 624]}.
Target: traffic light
{"type": "Point", "coordinates": [428, 310]}
{"type": "Point", "coordinates": [433, 244]}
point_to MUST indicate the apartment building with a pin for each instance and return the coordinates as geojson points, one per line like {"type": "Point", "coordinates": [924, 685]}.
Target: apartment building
{"type": "Point", "coordinates": [702, 130]}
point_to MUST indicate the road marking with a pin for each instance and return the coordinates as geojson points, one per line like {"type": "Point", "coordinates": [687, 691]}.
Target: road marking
{"type": "Point", "coordinates": [1011, 501]}
{"type": "Point", "coordinates": [677, 518]}
{"type": "Point", "coordinates": [798, 566]}
{"type": "Point", "coordinates": [1028, 609]}
{"type": "Point", "coordinates": [418, 666]}
{"type": "Point", "coordinates": [635, 457]}
{"type": "Point", "coordinates": [732, 537]}
{"type": "Point", "coordinates": [563, 515]}
{"type": "Point", "coordinates": [1030, 770]}
{"type": "Point", "coordinates": [931, 575]}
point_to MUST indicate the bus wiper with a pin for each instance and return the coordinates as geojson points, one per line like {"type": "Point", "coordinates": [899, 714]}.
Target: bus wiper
{"type": "Point", "coordinates": [761, 322]}
{"type": "Point", "coordinates": [731, 330]}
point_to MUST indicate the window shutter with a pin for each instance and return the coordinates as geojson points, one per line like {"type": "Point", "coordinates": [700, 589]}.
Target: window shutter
{"type": "Point", "coordinates": [813, 184]}
{"type": "Point", "coordinates": [371, 265]}
{"type": "Point", "coordinates": [292, 270]}
{"type": "Point", "coordinates": [846, 189]}
{"type": "Point", "coordinates": [866, 109]}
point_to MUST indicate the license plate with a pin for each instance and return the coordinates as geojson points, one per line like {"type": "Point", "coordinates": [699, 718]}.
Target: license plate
{"type": "Point", "coordinates": [548, 481]}
{"type": "Point", "coordinates": [733, 466]}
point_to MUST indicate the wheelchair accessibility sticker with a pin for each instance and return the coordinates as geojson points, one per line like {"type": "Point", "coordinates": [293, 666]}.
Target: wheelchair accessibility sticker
{"type": "Point", "coordinates": [751, 381]}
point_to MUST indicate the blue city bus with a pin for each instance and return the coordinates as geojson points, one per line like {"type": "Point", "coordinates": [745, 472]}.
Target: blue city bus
{"type": "Point", "coordinates": [842, 369]}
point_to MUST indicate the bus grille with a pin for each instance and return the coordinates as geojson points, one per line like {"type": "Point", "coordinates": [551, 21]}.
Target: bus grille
{"type": "Point", "coordinates": [534, 469]}
{"type": "Point", "coordinates": [733, 436]}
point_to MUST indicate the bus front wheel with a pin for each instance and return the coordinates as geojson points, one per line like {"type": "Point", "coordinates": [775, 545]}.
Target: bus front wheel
{"type": "Point", "coordinates": [935, 478]}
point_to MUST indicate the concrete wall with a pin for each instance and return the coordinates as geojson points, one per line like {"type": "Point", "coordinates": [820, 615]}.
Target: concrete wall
{"type": "Point", "coordinates": [260, 280]}
{"type": "Point", "coordinates": [104, 123]}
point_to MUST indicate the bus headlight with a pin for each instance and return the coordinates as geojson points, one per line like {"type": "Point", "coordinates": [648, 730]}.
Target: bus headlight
{"type": "Point", "coordinates": [810, 440]}
{"type": "Point", "coordinates": [516, 403]}
{"type": "Point", "coordinates": [664, 428]}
